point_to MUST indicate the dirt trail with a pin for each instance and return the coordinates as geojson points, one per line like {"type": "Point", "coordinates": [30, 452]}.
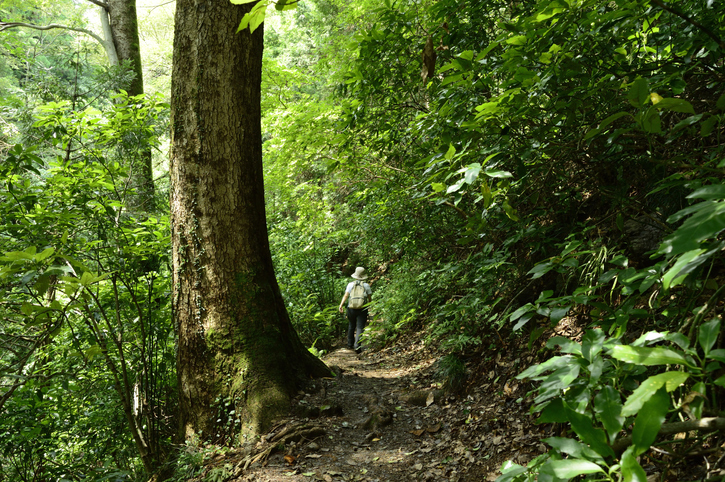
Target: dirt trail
{"type": "Point", "coordinates": [383, 418]}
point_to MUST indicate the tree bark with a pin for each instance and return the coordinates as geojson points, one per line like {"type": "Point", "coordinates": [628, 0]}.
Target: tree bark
{"type": "Point", "coordinates": [124, 30]}
{"type": "Point", "coordinates": [235, 340]}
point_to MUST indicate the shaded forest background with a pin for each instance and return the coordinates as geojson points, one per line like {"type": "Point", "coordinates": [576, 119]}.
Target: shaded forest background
{"type": "Point", "coordinates": [500, 167]}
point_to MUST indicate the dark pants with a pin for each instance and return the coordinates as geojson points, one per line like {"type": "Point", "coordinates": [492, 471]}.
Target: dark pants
{"type": "Point", "coordinates": [357, 319]}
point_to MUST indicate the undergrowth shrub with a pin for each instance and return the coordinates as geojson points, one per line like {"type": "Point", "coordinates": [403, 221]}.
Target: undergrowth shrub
{"type": "Point", "coordinates": [472, 291]}
{"type": "Point", "coordinates": [665, 375]}
{"type": "Point", "coordinates": [452, 371]}
{"type": "Point", "coordinates": [307, 282]}
{"type": "Point", "coordinates": [399, 300]}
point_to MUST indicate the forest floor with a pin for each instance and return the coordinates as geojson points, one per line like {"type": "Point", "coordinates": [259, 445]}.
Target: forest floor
{"type": "Point", "coordinates": [384, 417]}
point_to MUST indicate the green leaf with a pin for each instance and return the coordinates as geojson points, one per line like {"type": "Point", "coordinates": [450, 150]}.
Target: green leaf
{"type": "Point", "coordinates": [45, 254]}
{"type": "Point", "coordinates": [566, 345]}
{"type": "Point", "coordinates": [591, 133]}
{"type": "Point", "coordinates": [721, 102]}
{"type": "Point", "coordinates": [43, 283]}
{"type": "Point", "coordinates": [708, 334]}
{"type": "Point", "coordinates": [455, 187]}
{"type": "Point", "coordinates": [708, 125]}
{"type": "Point", "coordinates": [553, 413]}
{"type": "Point", "coordinates": [638, 92]}
{"type": "Point", "coordinates": [282, 5]}
{"type": "Point", "coordinates": [522, 321]}
{"type": "Point", "coordinates": [572, 447]}
{"type": "Point", "coordinates": [592, 343]}
{"type": "Point", "coordinates": [717, 354]}
{"type": "Point", "coordinates": [521, 311]}
{"type": "Point", "coordinates": [569, 468]}
{"type": "Point", "coordinates": [711, 191]}
{"type": "Point", "coordinates": [558, 313]}
{"type": "Point", "coordinates": [541, 269]}
{"type": "Point", "coordinates": [17, 256]}
{"type": "Point", "coordinates": [649, 420]}
{"type": "Point", "coordinates": [698, 403]}
{"type": "Point", "coordinates": [450, 153]}
{"type": "Point", "coordinates": [254, 18]}
{"type": "Point", "coordinates": [509, 471]}
{"type": "Point", "coordinates": [510, 211]}
{"type": "Point", "coordinates": [88, 278]}
{"type": "Point", "coordinates": [641, 355]}
{"type": "Point", "coordinates": [471, 172]}
{"type": "Point", "coordinates": [517, 40]}
{"type": "Point", "coordinates": [498, 174]}
{"type": "Point", "coordinates": [608, 408]}
{"type": "Point", "coordinates": [670, 380]}
{"type": "Point", "coordinates": [685, 263]}
{"type": "Point", "coordinates": [720, 382]}
{"type": "Point", "coordinates": [631, 470]}
{"type": "Point", "coordinates": [651, 121]}
{"type": "Point", "coordinates": [27, 309]}
{"type": "Point", "coordinates": [241, 2]}
{"type": "Point", "coordinates": [93, 351]}
{"type": "Point", "coordinates": [675, 105]}
{"type": "Point", "coordinates": [594, 437]}
{"type": "Point", "coordinates": [605, 123]}
{"type": "Point", "coordinates": [553, 363]}
{"type": "Point", "coordinates": [566, 445]}
{"type": "Point", "coordinates": [486, 194]}
{"type": "Point", "coordinates": [679, 339]}
{"type": "Point", "coordinates": [706, 222]}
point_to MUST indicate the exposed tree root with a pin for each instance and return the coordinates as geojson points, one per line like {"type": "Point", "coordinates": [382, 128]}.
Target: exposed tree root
{"type": "Point", "coordinates": [279, 437]}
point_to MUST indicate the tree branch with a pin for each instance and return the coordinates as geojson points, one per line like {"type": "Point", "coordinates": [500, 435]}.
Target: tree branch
{"type": "Point", "coordinates": [99, 3]}
{"type": "Point", "coordinates": [7, 25]}
{"type": "Point", "coordinates": [107, 45]}
{"type": "Point", "coordinates": [710, 424]}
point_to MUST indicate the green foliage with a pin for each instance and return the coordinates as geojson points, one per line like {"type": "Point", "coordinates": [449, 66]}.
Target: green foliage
{"type": "Point", "coordinates": [86, 311]}
{"type": "Point", "coordinates": [219, 474]}
{"type": "Point", "coordinates": [41, 66]}
{"type": "Point", "coordinates": [452, 370]}
{"type": "Point", "coordinates": [309, 286]}
{"type": "Point", "coordinates": [189, 460]}
{"type": "Point", "coordinates": [584, 387]}
{"type": "Point", "coordinates": [696, 240]}
{"type": "Point", "coordinates": [228, 423]}
{"type": "Point", "coordinates": [254, 18]}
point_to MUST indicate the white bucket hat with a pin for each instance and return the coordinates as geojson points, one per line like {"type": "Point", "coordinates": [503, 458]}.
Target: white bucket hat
{"type": "Point", "coordinates": [359, 273]}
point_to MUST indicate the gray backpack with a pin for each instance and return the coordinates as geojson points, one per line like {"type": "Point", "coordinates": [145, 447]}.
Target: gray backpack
{"type": "Point", "coordinates": [358, 296]}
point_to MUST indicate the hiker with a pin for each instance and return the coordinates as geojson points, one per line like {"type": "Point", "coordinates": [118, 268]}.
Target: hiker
{"type": "Point", "coordinates": [359, 294]}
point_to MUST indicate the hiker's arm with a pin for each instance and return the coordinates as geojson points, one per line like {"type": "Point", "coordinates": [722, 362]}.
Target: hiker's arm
{"type": "Point", "coordinates": [344, 298]}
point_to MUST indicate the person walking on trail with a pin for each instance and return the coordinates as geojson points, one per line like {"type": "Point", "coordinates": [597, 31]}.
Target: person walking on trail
{"type": "Point", "coordinates": [359, 294]}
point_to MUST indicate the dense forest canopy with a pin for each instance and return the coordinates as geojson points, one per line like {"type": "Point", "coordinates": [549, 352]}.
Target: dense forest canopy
{"type": "Point", "coordinates": [499, 167]}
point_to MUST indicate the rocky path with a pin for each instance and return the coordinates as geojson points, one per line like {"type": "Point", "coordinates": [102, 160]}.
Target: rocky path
{"type": "Point", "coordinates": [383, 418]}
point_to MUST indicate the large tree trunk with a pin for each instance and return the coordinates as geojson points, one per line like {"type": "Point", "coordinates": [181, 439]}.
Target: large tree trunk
{"type": "Point", "coordinates": [235, 339]}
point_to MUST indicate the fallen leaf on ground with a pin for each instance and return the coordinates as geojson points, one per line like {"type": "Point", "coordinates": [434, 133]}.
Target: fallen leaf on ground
{"type": "Point", "coordinates": [433, 428]}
